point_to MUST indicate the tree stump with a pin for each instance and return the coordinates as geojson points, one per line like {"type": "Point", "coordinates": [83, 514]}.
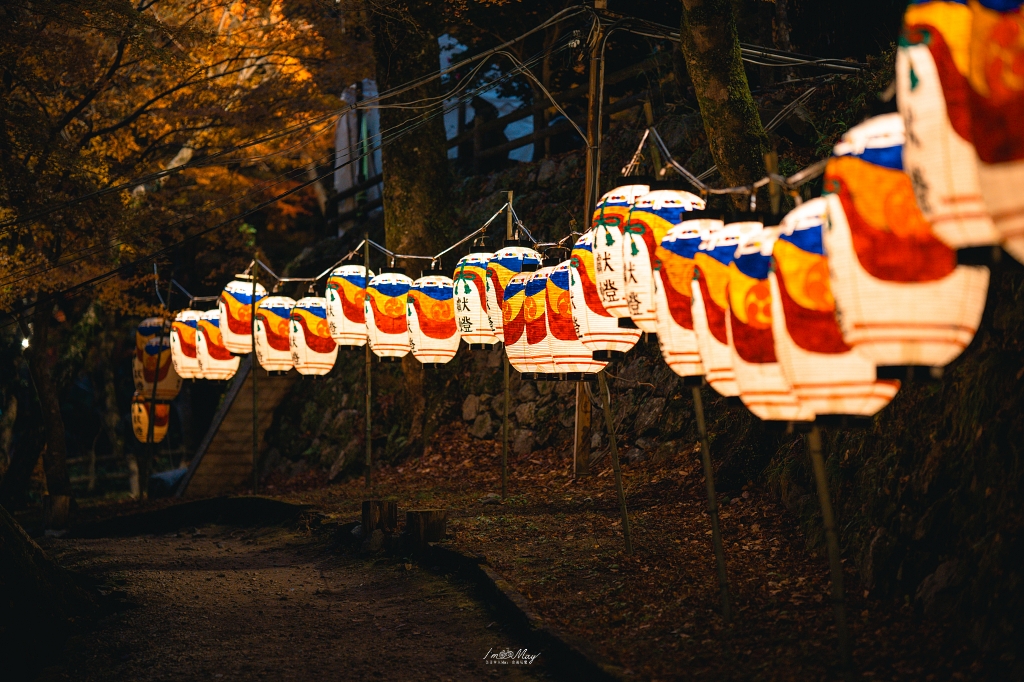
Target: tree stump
{"type": "Point", "coordinates": [423, 526]}
{"type": "Point", "coordinates": [378, 514]}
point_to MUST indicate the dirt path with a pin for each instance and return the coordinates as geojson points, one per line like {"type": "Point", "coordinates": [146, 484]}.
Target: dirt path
{"type": "Point", "coordinates": [233, 604]}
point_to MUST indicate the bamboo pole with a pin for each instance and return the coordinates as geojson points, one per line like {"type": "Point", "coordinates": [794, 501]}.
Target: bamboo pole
{"type": "Point", "coordinates": [832, 541]}
{"type": "Point", "coordinates": [606, 400]}
{"type": "Point", "coordinates": [505, 366]}
{"type": "Point", "coordinates": [253, 365]}
{"type": "Point", "coordinates": [369, 356]}
{"type": "Point", "coordinates": [709, 478]}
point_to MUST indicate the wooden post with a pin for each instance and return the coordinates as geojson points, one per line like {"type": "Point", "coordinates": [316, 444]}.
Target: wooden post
{"type": "Point", "coordinates": [423, 526]}
{"type": "Point", "coordinates": [369, 357]}
{"type": "Point", "coordinates": [253, 367]}
{"type": "Point", "coordinates": [581, 440]}
{"type": "Point", "coordinates": [505, 366]}
{"type": "Point", "coordinates": [593, 167]}
{"type": "Point", "coordinates": [655, 154]}
{"type": "Point", "coordinates": [380, 514]}
{"type": "Point", "coordinates": [709, 477]}
{"type": "Point", "coordinates": [606, 399]}
{"type": "Point", "coordinates": [832, 540]}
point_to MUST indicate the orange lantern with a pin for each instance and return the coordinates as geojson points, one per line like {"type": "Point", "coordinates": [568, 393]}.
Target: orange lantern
{"type": "Point", "coordinates": [514, 321]}
{"type": "Point", "coordinates": [609, 225]}
{"type": "Point", "coordinates": [470, 291]}
{"type": "Point", "coordinates": [433, 334]}
{"type": "Point", "coordinates": [386, 321]}
{"type": "Point", "coordinates": [313, 349]}
{"type": "Point", "coordinates": [501, 268]}
{"type": "Point", "coordinates": [346, 296]}
{"type": "Point", "coordinates": [215, 360]}
{"type": "Point", "coordinates": [537, 355]}
{"type": "Point", "coordinates": [568, 354]}
{"type": "Point", "coordinates": [156, 366]}
{"type": "Point", "coordinates": [273, 337]}
{"type": "Point", "coordinates": [183, 344]}
{"type": "Point", "coordinates": [235, 306]}
{"type": "Point", "coordinates": [596, 328]}
{"type": "Point", "coordinates": [142, 412]}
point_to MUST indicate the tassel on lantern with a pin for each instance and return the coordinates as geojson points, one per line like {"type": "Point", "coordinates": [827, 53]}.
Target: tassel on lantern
{"type": "Point", "coordinates": [215, 360]}
{"type": "Point", "coordinates": [501, 268]}
{"type": "Point", "coordinates": [273, 337]}
{"type": "Point", "coordinates": [609, 225]}
{"type": "Point", "coordinates": [433, 334]}
{"type": "Point", "coordinates": [235, 306]}
{"type": "Point", "coordinates": [470, 289]}
{"type": "Point", "coordinates": [386, 322]}
{"type": "Point", "coordinates": [598, 331]}
{"type": "Point", "coordinates": [346, 296]}
{"type": "Point", "coordinates": [183, 344]}
{"type": "Point", "coordinates": [313, 349]}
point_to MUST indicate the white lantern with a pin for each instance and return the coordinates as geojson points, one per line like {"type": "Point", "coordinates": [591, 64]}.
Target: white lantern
{"type": "Point", "coordinates": [143, 410]}
{"type": "Point", "coordinates": [763, 386]}
{"type": "Point", "coordinates": [183, 344]}
{"type": "Point", "coordinates": [216, 361]}
{"type": "Point", "coordinates": [346, 297]}
{"type": "Point", "coordinates": [901, 298]}
{"type": "Point", "coordinates": [537, 356]}
{"type": "Point", "coordinates": [156, 366]}
{"type": "Point", "coordinates": [149, 328]}
{"type": "Point", "coordinates": [471, 300]}
{"type": "Point", "coordinates": [235, 305]}
{"type": "Point", "coordinates": [609, 222]}
{"type": "Point", "coordinates": [653, 215]}
{"type": "Point", "coordinates": [939, 155]}
{"type": "Point", "coordinates": [514, 321]}
{"type": "Point", "coordinates": [430, 309]}
{"type": "Point", "coordinates": [273, 337]}
{"type": "Point", "coordinates": [596, 328]}
{"type": "Point", "coordinates": [313, 349]}
{"type": "Point", "coordinates": [828, 376]}
{"type": "Point", "coordinates": [568, 354]}
{"type": "Point", "coordinates": [501, 268]}
{"type": "Point", "coordinates": [386, 321]}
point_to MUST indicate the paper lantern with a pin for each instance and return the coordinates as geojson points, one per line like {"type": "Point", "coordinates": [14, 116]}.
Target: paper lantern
{"type": "Point", "coordinates": [386, 321]}
{"type": "Point", "coordinates": [827, 375]}
{"type": "Point", "coordinates": [537, 355]}
{"type": "Point", "coordinates": [710, 304]}
{"type": "Point", "coordinates": [568, 354]}
{"type": "Point", "coordinates": [142, 412]}
{"type": "Point", "coordinates": [996, 101]}
{"type": "Point", "coordinates": [235, 305]}
{"type": "Point", "coordinates": [932, 94]}
{"type": "Point", "coordinates": [346, 296]}
{"type": "Point", "coordinates": [313, 349]}
{"type": "Point", "coordinates": [763, 386]}
{"type": "Point", "coordinates": [653, 215]}
{"type": "Point", "coordinates": [901, 298]}
{"type": "Point", "coordinates": [149, 328]}
{"type": "Point", "coordinates": [430, 309]}
{"type": "Point", "coordinates": [216, 361]}
{"type": "Point", "coordinates": [501, 268]}
{"type": "Point", "coordinates": [156, 366]}
{"type": "Point", "coordinates": [673, 281]}
{"type": "Point", "coordinates": [513, 313]}
{"type": "Point", "coordinates": [471, 300]}
{"type": "Point", "coordinates": [596, 328]}
{"type": "Point", "coordinates": [183, 344]}
{"type": "Point", "coordinates": [273, 337]}
{"type": "Point", "coordinates": [609, 225]}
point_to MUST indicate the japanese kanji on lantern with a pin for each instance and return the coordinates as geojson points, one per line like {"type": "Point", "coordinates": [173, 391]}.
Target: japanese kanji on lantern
{"type": "Point", "coordinates": [273, 342]}
{"type": "Point", "coordinates": [653, 215]}
{"type": "Point", "coordinates": [568, 354]}
{"type": "Point", "coordinates": [235, 305]}
{"type": "Point", "coordinates": [932, 68]}
{"type": "Point", "coordinates": [501, 268]}
{"type": "Point", "coordinates": [901, 297]}
{"type": "Point", "coordinates": [609, 224]}
{"type": "Point", "coordinates": [157, 366]}
{"type": "Point", "coordinates": [313, 349]}
{"type": "Point", "coordinates": [143, 411]}
{"type": "Point", "coordinates": [537, 355]}
{"type": "Point", "coordinates": [183, 344]}
{"type": "Point", "coordinates": [470, 290]}
{"type": "Point", "coordinates": [762, 385]}
{"type": "Point", "coordinates": [346, 296]}
{"type": "Point", "coordinates": [430, 310]}
{"type": "Point", "coordinates": [385, 309]}
{"type": "Point", "coordinates": [597, 330]}
{"type": "Point", "coordinates": [514, 320]}
{"type": "Point", "coordinates": [215, 360]}
{"type": "Point", "coordinates": [827, 375]}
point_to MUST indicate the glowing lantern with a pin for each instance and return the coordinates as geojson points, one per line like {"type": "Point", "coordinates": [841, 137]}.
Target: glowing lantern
{"type": "Point", "coordinates": [346, 296]}
{"type": "Point", "coordinates": [215, 360]}
{"type": "Point", "coordinates": [142, 411]}
{"type": "Point", "coordinates": [513, 312]}
{"type": "Point", "coordinates": [471, 300]}
{"type": "Point", "coordinates": [710, 304]}
{"type": "Point", "coordinates": [932, 66]}
{"type": "Point", "coordinates": [996, 101]}
{"type": "Point", "coordinates": [156, 366]}
{"type": "Point", "coordinates": [386, 321]}
{"type": "Point", "coordinates": [596, 328]}
{"type": "Point", "coordinates": [313, 349]}
{"type": "Point", "coordinates": [183, 344]}
{"type": "Point", "coordinates": [149, 328]}
{"type": "Point", "coordinates": [763, 386]}
{"type": "Point", "coordinates": [430, 310]}
{"type": "Point", "coordinates": [501, 268]}
{"type": "Point", "coordinates": [273, 338]}
{"type": "Point", "coordinates": [653, 215]}
{"type": "Point", "coordinates": [235, 305]}
{"type": "Point", "coordinates": [568, 354]}
{"type": "Point", "coordinates": [609, 223]}
{"type": "Point", "coordinates": [537, 355]}
{"type": "Point", "coordinates": [828, 376]}
{"type": "Point", "coordinates": [901, 297]}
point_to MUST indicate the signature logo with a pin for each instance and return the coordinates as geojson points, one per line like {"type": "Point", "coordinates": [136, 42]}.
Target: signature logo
{"type": "Point", "coordinates": [507, 656]}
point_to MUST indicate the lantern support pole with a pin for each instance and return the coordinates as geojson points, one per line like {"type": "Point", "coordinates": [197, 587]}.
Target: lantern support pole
{"type": "Point", "coordinates": [369, 356]}
{"type": "Point", "coordinates": [150, 432]}
{"type": "Point", "coordinates": [832, 540]}
{"type": "Point", "coordinates": [253, 366]}
{"type": "Point", "coordinates": [709, 478]}
{"type": "Point", "coordinates": [505, 368]}
{"type": "Point", "coordinates": [606, 399]}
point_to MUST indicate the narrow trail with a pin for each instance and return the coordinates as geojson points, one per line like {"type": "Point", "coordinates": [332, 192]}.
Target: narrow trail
{"type": "Point", "coordinates": [223, 603]}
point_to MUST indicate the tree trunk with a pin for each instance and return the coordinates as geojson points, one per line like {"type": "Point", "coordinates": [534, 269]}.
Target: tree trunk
{"type": "Point", "coordinates": [379, 514]}
{"type": "Point", "coordinates": [42, 357]}
{"type": "Point", "coordinates": [711, 47]}
{"type": "Point", "coordinates": [423, 526]}
{"type": "Point", "coordinates": [26, 445]}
